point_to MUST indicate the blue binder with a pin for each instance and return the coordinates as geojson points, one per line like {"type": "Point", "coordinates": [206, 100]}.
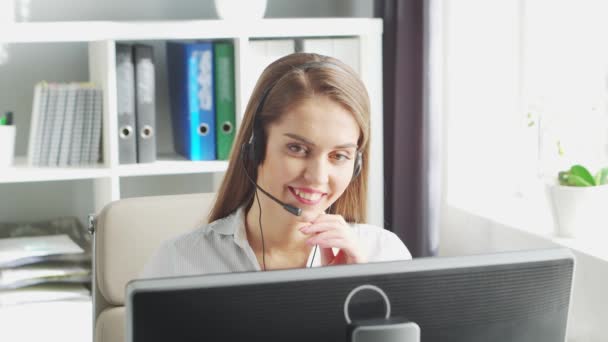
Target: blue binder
{"type": "Point", "coordinates": [190, 69]}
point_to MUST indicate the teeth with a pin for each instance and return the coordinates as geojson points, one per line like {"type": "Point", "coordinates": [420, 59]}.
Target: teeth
{"type": "Point", "coordinates": [307, 196]}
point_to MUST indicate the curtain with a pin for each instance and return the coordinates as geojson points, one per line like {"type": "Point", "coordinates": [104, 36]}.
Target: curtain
{"type": "Point", "coordinates": [412, 133]}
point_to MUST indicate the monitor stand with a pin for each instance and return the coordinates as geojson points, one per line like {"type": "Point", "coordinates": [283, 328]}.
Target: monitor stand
{"type": "Point", "coordinates": [393, 329]}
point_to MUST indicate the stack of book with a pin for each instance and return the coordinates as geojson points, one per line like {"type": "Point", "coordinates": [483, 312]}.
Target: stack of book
{"type": "Point", "coordinates": [202, 97]}
{"type": "Point", "coordinates": [66, 125]}
{"type": "Point", "coordinates": [135, 83]}
{"type": "Point", "coordinates": [44, 268]}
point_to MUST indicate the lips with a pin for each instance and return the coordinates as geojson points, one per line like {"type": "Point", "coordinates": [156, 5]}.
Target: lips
{"type": "Point", "coordinates": [306, 196]}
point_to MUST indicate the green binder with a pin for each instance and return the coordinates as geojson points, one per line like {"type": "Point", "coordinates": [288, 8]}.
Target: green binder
{"type": "Point", "coordinates": [224, 98]}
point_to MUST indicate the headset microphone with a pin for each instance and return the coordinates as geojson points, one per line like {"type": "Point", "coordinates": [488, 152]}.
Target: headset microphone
{"type": "Point", "coordinates": [293, 210]}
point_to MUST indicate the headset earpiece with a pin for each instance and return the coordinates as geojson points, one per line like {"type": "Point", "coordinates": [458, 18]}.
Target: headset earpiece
{"type": "Point", "coordinates": [358, 164]}
{"type": "Point", "coordinates": [253, 151]}
{"type": "Point", "coordinates": [245, 152]}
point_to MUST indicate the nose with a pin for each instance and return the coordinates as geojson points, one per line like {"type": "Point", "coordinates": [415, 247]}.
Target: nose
{"type": "Point", "coordinates": [317, 171]}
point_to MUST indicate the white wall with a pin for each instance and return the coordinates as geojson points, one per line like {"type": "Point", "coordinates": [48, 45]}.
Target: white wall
{"type": "Point", "coordinates": [45, 10]}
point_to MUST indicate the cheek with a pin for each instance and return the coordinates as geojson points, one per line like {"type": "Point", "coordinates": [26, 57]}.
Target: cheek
{"type": "Point", "coordinates": [341, 180]}
{"type": "Point", "coordinates": [278, 170]}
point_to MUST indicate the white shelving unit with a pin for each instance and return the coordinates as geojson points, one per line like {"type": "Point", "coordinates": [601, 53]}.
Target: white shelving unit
{"type": "Point", "coordinates": [102, 37]}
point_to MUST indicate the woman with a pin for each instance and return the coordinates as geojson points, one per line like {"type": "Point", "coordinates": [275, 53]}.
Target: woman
{"type": "Point", "coordinates": [295, 190]}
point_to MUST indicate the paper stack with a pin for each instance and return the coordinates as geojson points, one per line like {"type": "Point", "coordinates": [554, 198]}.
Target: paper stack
{"type": "Point", "coordinates": [43, 268]}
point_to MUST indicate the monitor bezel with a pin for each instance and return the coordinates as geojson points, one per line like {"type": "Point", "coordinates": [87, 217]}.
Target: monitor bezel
{"type": "Point", "coordinates": [331, 272]}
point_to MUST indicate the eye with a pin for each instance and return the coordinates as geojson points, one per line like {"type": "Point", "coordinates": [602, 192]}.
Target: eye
{"type": "Point", "coordinates": [296, 149]}
{"type": "Point", "coordinates": [341, 156]}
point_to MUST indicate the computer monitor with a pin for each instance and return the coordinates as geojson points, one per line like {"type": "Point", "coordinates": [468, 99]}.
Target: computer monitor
{"type": "Point", "coordinates": [511, 296]}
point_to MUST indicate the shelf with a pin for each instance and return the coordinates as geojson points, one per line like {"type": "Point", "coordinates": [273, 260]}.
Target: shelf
{"type": "Point", "coordinates": [110, 180]}
{"type": "Point", "coordinates": [171, 165]}
{"type": "Point", "coordinates": [85, 31]}
{"type": "Point", "coordinates": [21, 172]}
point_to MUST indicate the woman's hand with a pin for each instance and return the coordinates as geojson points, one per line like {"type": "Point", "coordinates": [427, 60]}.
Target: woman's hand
{"type": "Point", "coordinates": [331, 231]}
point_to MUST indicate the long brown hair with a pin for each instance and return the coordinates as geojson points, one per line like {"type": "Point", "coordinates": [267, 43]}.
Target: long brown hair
{"type": "Point", "coordinates": [286, 84]}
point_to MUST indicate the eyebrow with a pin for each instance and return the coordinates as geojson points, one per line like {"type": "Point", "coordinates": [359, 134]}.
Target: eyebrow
{"type": "Point", "coordinates": [306, 141]}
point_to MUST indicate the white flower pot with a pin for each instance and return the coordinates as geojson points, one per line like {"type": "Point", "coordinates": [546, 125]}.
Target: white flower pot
{"type": "Point", "coordinates": [240, 9]}
{"type": "Point", "coordinates": [7, 141]}
{"type": "Point", "coordinates": [579, 211]}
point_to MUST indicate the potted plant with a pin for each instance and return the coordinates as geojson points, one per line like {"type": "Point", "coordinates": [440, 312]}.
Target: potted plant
{"type": "Point", "coordinates": [579, 201]}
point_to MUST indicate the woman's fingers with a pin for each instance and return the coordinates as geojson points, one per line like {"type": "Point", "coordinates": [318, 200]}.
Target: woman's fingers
{"type": "Point", "coordinates": [327, 256]}
{"type": "Point", "coordinates": [321, 226]}
{"type": "Point", "coordinates": [332, 231]}
{"type": "Point", "coordinates": [331, 234]}
{"type": "Point", "coordinates": [334, 243]}
{"type": "Point", "coordinates": [317, 228]}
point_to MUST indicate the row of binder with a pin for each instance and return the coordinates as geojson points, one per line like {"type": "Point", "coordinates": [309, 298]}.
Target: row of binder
{"type": "Point", "coordinates": [202, 97]}
{"type": "Point", "coordinates": [135, 82]}
{"type": "Point", "coordinates": [66, 125]}
{"type": "Point", "coordinates": [201, 76]}
{"type": "Point", "coordinates": [201, 94]}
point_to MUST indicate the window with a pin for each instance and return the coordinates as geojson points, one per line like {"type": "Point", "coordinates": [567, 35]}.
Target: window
{"type": "Point", "coordinates": [524, 80]}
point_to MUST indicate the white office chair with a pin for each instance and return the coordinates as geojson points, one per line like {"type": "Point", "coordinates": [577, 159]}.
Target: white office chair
{"type": "Point", "coordinates": [126, 233]}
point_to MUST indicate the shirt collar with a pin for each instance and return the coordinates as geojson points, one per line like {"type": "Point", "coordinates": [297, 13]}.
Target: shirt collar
{"type": "Point", "coordinates": [233, 224]}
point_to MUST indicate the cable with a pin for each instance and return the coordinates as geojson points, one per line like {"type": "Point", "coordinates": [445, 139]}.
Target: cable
{"type": "Point", "coordinates": [313, 256]}
{"type": "Point", "coordinates": [262, 235]}
{"type": "Point", "coordinates": [293, 210]}
{"type": "Point", "coordinates": [260, 218]}
{"type": "Point", "coordinates": [328, 211]}
{"type": "Point", "coordinates": [261, 230]}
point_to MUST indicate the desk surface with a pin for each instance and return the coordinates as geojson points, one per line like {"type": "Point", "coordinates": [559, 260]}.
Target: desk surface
{"type": "Point", "coordinates": [53, 321]}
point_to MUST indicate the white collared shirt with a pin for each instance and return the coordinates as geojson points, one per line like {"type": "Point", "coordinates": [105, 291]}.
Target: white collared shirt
{"type": "Point", "coordinates": [222, 247]}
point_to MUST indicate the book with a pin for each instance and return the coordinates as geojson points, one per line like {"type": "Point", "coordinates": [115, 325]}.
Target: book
{"type": "Point", "coordinates": [78, 127]}
{"type": "Point", "coordinates": [225, 107]}
{"type": "Point", "coordinates": [44, 272]}
{"type": "Point", "coordinates": [145, 103]}
{"type": "Point", "coordinates": [125, 83]}
{"type": "Point", "coordinates": [192, 99]}
{"type": "Point", "coordinates": [68, 125]}
{"type": "Point", "coordinates": [49, 123]}
{"type": "Point", "coordinates": [95, 152]}
{"type": "Point", "coordinates": [39, 106]}
{"type": "Point", "coordinates": [30, 249]}
{"type": "Point", "coordinates": [87, 128]}
{"type": "Point", "coordinates": [57, 127]}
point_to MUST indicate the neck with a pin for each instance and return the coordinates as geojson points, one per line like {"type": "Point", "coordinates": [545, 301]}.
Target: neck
{"type": "Point", "coordinates": [280, 228]}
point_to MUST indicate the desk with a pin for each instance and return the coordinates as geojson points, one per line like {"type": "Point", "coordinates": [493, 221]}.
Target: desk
{"type": "Point", "coordinates": [464, 232]}
{"type": "Point", "coordinates": [53, 321]}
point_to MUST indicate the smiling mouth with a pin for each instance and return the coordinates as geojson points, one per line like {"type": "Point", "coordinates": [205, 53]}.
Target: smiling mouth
{"type": "Point", "coordinates": [306, 197]}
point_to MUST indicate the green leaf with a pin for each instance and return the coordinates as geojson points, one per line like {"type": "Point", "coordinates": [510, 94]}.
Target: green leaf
{"type": "Point", "coordinates": [562, 177]}
{"type": "Point", "coordinates": [574, 180]}
{"type": "Point", "coordinates": [601, 178]}
{"type": "Point", "coordinates": [583, 173]}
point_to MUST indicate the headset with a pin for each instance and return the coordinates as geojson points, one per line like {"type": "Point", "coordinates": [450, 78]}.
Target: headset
{"type": "Point", "coordinates": [254, 150]}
